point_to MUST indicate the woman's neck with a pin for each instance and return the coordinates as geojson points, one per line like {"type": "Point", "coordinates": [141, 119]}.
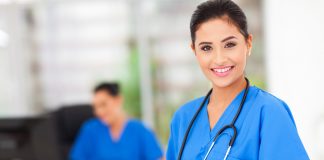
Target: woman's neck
{"type": "Point", "coordinates": [223, 96]}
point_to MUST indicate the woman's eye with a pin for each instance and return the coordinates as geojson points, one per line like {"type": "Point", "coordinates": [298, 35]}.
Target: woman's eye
{"type": "Point", "coordinates": [230, 45]}
{"type": "Point", "coordinates": [206, 48]}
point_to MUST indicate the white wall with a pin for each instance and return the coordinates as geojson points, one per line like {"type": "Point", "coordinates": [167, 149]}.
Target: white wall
{"type": "Point", "coordinates": [17, 94]}
{"type": "Point", "coordinates": [80, 44]}
{"type": "Point", "coordinates": [294, 36]}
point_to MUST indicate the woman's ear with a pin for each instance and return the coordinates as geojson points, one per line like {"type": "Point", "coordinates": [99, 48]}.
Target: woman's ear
{"type": "Point", "coordinates": [249, 44]}
{"type": "Point", "coordinates": [192, 46]}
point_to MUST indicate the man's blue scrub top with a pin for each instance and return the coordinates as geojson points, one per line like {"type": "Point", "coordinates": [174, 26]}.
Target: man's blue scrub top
{"type": "Point", "coordinates": [95, 143]}
{"type": "Point", "coordinates": [265, 130]}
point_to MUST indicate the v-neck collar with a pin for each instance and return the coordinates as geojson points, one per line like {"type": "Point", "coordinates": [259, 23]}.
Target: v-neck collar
{"type": "Point", "coordinates": [224, 118]}
{"type": "Point", "coordinates": [120, 138]}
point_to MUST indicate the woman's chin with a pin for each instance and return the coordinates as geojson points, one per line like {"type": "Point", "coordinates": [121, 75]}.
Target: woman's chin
{"type": "Point", "coordinates": [221, 82]}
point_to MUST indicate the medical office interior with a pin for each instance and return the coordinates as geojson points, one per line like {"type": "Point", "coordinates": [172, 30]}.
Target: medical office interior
{"type": "Point", "coordinates": [53, 52]}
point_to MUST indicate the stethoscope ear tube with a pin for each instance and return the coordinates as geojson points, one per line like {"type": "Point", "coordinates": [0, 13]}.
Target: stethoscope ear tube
{"type": "Point", "coordinates": [230, 126]}
{"type": "Point", "coordinates": [229, 144]}
{"type": "Point", "coordinates": [191, 123]}
{"type": "Point", "coordinates": [233, 137]}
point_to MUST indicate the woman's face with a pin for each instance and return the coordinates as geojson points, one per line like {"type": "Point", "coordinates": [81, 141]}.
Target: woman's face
{"type": "Point", "coordinates": [221, 51]}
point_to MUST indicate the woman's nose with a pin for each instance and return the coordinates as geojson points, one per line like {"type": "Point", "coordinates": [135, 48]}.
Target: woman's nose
{"type": "Point", "coordinates": [219, 58]}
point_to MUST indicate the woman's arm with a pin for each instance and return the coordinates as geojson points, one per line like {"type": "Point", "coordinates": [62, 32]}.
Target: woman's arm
{"type": "Point", "coordinates": [279, 138]}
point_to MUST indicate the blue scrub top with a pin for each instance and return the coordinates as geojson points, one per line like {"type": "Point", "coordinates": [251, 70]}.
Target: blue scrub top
{"type": "Point", "coordinates": [95, 143]}
{"type": "Point", "coordinates": [265, 130]}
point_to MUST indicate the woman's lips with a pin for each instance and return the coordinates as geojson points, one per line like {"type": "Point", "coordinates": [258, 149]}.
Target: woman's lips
{"type": "Point", "coordinates": [222, 71]}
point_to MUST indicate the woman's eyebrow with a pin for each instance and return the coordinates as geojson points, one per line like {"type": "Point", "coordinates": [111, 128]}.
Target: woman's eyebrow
{"type": "Point", "coordinates": [224, 40]}
{"type": "Point", "coordinates": [228, 38]}
{"type": "Point", "coordinates": [205, 43]}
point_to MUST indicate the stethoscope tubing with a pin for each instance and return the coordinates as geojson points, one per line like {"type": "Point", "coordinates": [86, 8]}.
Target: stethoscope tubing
{"type": "Point", "coordinates": [231, 125]}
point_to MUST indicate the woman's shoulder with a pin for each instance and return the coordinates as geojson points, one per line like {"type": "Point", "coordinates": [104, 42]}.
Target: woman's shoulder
{"type": "Point", "coordinates": [268, 99]}
{"type": "Point", "coordinates": [188, 109]}
{"type": "Point", "coordinates": [190, 106]}
{"type": "Point", "coordinates": [271, 103]}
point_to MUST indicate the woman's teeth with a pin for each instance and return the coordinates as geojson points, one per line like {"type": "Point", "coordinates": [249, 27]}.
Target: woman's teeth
{"type": "Point", "coordinates": [221, 70]}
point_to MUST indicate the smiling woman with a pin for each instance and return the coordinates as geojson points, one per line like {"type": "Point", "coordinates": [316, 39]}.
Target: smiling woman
{"type": "Point", "coordinates": [234, 120]}
{"type": "Point", "coordinates": [221, 51]}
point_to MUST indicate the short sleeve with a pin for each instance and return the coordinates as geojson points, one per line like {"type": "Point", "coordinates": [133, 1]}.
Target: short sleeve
{"type": "Point", "coordinates": [83, 144]}
{"type": "Point", "coordinates": [279, 138]}
{"type": "Point", "coordinates": [170, 154]}
{"type": "Point", "coordinates": [151, 146]}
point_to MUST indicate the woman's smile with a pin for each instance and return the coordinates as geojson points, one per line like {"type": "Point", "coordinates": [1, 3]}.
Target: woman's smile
{"type": "Point", "coordinates": [222, 71]}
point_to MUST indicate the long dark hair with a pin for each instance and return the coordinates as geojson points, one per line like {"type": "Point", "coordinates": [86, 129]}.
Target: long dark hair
{"type": "Point", "coordinates": [216, 9]}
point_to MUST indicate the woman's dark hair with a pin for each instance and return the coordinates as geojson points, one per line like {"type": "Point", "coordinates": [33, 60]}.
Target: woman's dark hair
{"type": "Point", "coordinates": [216, 9]}
{"type": "Point", "coordinates": [111, 88]}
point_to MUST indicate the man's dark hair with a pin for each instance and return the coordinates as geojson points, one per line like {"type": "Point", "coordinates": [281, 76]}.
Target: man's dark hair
{"type": "Point", "coordinates": [111, 88]}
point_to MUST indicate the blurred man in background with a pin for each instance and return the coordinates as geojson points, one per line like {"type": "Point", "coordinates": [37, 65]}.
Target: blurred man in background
{"type": "Point", "coordinates": [112, 135]}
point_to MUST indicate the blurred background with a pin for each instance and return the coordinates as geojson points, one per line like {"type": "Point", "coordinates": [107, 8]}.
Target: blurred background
{"type": "Point", "coordinates": [53, 52]}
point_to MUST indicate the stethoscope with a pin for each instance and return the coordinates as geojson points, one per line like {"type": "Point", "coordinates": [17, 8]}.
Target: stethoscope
{"type": "Point", "coordinates": [229, 126]}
